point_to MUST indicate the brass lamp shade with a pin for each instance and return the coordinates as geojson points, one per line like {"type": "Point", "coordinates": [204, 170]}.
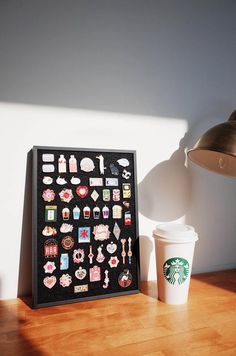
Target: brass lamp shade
{"type": "Point", "coordinates": [216, 148]}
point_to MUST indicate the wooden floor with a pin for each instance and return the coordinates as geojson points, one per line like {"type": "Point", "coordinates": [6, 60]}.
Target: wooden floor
{"type": "Point", "coordinates": [129, 325]}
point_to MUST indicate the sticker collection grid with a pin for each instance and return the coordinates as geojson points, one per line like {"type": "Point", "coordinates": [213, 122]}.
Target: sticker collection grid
{"type": "Point", "coordinates": [86, 243]}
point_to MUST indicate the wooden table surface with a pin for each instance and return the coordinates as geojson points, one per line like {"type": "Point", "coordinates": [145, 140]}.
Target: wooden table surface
{"type": "Point", "coordinates": [129, 325]}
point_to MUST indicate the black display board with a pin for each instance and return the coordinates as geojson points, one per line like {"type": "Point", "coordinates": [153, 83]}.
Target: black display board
{"type": "Point", "coordinates": [85, 224]}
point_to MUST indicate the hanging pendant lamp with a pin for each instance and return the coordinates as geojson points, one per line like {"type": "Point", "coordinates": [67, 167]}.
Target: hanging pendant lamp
{"type": "Point", "coordinates": [216, 148]}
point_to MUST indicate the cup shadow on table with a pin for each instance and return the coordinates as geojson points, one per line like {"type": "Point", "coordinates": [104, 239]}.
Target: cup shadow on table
{"type": "Point", "coordinates": [24, 291]}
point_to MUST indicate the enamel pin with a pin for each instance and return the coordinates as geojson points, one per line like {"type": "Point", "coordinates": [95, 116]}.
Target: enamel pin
{"type": "Point", "coordinates": [66, 195]}
{"type": "Point", "coordinates": [83, 234]}
{"type": "Point", "coordinates": [64, 261]}
{"type": "Point", "coordinates": [49, 231]}
{"type": "Point", "coordinates": [113, 261]}
{"type": "Point", "coordinates": [48, 195]}
{"type": "Point", "coordinates": [76, 213]}
{"type": "Point", "coordinates": [123, 253]}
{"type": "Point", "coordinates": [126, 174]}
{"type": "Point", "coordinates": [87, 165]}
{"type": "Point", "coordinates": [75, 180]}
{"type": "Point", "coordinates": [49, 282]}
{"type": "Point", "coordinates": [127, 218]}
{"type": "Point", "coordinates": [100, 257]}
{"type": "Point", "coordinates": [81, 289]}
{"type": "Point", "coordinates": [116, 194]}
{"type": "Point", "coordinates": [106, 196]}
{"type": "Point", "coordinates": [65, 213]}
{"type": "Point", "coordinates": [126, 188]}
{"type": "Point", "coordinates": [129, 250]}
{"type": "Point", "coordinates": [111, 182]}
{"type": "Point", "coordinates": [117, 212]}
{"type": "Point", "coordinates": [101, 232]}
{"type": "Point", "coordinates": [78, 255]}
{"type": "Point", "coordinates": [50, 213]}
{"type": "Point", "coordinates": [67, 242]}
{"type": "Point", "coordinates": [61, 164]}
{"type": "Point", "coordinates": [48, 168]}
{"type": "Point", "coordinates": [90, 255]}
{"type": "Point", "coordinates": [50, 248]}
{"type": "Point", "coordinates": [95, 182]}
{"type": "Point", "coordinates": [125, 279]}
{"type": "Point", "coordinates": [105, 212]}
{"type": "Point", "coordinates": [123, 162]}
{"type": "Point", "coordinates": [65, 280]}
{"type": "Point", "coordinates": [126, 204]}
{"type": "Point", "coordinates": [48, 157]}
{"type": "Point", "coordinates": [114, 170]}
{"type": "Point", "coordinates": [101, 164]}
{"type": "Point", "coordinates": [106, 280]}
{"type": "Point", "coordinates": [80, 273]}
{"type": "Point", "coordinates": [82, 191]}
{"type": "Point", "coordinates": [61, 181]}
{"type": "Point", "coordinates": [47, 180]}
{"type": "Point", "coordinates": [95, 274]}
{"type": "Point", "coordinates": [116, 231]}
{"type": "Point", "coordinates": [94, 195]}
{"type": "Point", "coordinates": [49, 267]}
{"type": "Point", "coordinates": [86, 212]}
{"type": "Point", "coordinates": [65, 228]}
{"type": "Point", "coordinates": [111, 247]}
{"type": "Point", "coordinates": [96, 212]}
{"type": "Point", "coordinates": [72, 164]}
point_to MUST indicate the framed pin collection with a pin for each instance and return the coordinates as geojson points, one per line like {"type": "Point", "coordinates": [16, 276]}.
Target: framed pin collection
{"type": "Point", "coordinates": [85, 224]}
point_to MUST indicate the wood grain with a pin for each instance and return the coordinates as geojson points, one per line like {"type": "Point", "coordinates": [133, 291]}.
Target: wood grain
{"type": "Point", "coordinates": [128, 325]}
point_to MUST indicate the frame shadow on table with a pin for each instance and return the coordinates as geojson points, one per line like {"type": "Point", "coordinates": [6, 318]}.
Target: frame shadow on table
{"type": "Point", "coordinates": [24, 291]}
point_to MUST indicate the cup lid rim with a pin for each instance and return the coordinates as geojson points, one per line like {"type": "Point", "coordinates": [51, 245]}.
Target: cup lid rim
{"type": "Point", "coordinates": [175, 232]}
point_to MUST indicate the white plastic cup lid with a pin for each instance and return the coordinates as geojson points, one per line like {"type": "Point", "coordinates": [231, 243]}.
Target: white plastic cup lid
{"type": "Point", "coordinates": [175, 233]}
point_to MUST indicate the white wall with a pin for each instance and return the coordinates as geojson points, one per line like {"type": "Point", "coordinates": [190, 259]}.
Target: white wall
{"type": "Point", "coordinates": [144, 75]}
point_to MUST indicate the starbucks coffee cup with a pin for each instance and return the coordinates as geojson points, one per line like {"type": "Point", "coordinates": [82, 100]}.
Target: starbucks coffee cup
{"type": "Point", "coordinates": [174, 245]}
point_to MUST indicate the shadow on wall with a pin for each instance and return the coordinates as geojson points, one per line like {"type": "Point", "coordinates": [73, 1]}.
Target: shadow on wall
{"type": "Point", "coordinates": [146, 247]}
{"type": "Point", "coordinates": [164, 194]}
{"type": "Point", "coordinates": [25, 264]}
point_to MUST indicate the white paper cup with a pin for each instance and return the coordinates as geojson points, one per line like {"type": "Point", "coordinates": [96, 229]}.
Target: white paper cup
{"type": "Point", "coordinates": [174, 245]}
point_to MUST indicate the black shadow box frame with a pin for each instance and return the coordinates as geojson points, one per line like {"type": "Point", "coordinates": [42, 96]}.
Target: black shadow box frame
{"type": "Point", "coordinates": [50, 287]}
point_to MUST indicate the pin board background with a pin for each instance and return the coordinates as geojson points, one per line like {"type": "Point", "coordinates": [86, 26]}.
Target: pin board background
{"type": "Point", "coordinates": [42, 295]}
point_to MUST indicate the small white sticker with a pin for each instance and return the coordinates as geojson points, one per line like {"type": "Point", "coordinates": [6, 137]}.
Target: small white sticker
{"type": "Point", "coordinates": [112, 182]}
{"type": "Point", "coordinates": [48, 157]}
{"type": "Point", "coordinates": [95, 182]}
{"type": "Point", "coordinates": [48, 168]}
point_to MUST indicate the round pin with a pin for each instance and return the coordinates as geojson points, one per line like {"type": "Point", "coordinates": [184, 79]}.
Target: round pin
{"type": "Point", "coordinates": [125, 279]}
{"type": "Point", "coordinates": [67, 242]}
{"type": "Point", "coordinates": [87, 165]}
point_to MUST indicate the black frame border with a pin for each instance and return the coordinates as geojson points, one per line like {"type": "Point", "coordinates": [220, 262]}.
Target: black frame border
{"type": "Point", "coordinates": [35, 303]}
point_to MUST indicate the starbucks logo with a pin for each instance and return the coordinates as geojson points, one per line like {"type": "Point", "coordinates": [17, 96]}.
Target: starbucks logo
{"type": "Point", "coordinates": [176, 270]}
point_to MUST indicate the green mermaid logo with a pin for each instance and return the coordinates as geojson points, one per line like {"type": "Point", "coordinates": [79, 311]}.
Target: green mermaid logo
{"type": "Point", "coordinates": [176, 270]}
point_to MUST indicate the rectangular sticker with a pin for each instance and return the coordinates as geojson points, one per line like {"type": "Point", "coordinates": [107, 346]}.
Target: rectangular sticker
{"type": "Point", "coordinates": [82, 288]}
{"type": "Point", "coordinates": [48, 157]}
{"type": "Point", "coordinates": [95, 182]}
{"type": "Point", "coordinates": [112, 182]}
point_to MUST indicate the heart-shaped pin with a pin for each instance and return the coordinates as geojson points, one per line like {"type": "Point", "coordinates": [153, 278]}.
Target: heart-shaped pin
{"type": "Point", "coordinates": [82, 191]}
{"type": "Point", "coordinates": [80, 273]}
{"type": "Point", "coordinates": [49, 282]}
{"type": "Point", "coordinates": [111, 248]}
